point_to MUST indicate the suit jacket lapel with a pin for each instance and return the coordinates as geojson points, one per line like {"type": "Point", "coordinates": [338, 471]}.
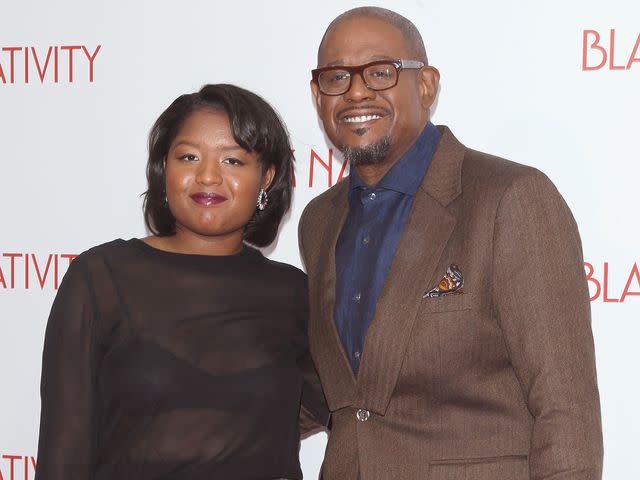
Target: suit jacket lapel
{"type": "Point", "coordinates": [333, 365]}
{"type": "Point", "coordinates": [425, 235]}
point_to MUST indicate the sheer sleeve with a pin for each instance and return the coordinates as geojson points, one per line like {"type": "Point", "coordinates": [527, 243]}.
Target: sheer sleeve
{"type": "Point", "coordinates": [314, 413]}
{"type": "Point", "coordinates": [67, 423]}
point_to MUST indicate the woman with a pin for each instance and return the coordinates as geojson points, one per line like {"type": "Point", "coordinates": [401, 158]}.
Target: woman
{"type": "Point", "coordinates": [184, 355]}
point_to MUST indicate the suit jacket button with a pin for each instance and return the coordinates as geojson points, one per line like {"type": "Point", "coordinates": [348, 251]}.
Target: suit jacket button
{"type": "Point", "coordinates": [363, 415]}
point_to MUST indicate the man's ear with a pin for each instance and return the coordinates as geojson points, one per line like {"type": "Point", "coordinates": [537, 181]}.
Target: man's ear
{"type": "Point", "coordinates": [267, 178]}
{"type": "Point", "coordinates": [316, 94]}
{"type": "Point", "coordinates": [428, 79]}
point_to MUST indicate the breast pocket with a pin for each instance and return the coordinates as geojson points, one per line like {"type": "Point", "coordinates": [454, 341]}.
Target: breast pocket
{"type": "Point", "coordinates": [511, 467]}
{"type": "Point", "coordinates": [458, 326]}
{"type": "Point", "coordinates": [450, 303]}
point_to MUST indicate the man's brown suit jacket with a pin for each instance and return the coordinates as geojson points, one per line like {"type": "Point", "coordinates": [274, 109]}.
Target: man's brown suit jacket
{"type": "Point", "coordinates": [495, 383]}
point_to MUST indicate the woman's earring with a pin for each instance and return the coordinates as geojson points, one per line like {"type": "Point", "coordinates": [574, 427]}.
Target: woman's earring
{"type": "Point", "coordinates": [263, 199]}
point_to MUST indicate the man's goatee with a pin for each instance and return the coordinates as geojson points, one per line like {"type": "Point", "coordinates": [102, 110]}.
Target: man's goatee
{"type": "Point", "coordinates": [373, 154]}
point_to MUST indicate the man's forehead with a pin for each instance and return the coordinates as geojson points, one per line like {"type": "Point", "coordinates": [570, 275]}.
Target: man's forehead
{"type": "Point", "coordinates": [361, 40]}
{"type": "Point", "coordinates": [347, 63]}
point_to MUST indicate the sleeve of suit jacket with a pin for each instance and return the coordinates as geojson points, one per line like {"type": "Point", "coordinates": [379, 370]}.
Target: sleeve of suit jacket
{"type": "Point", "coordinates": [311, 420]}
{"type": "Point", "coordinates": [314, 414]}
{"type": "Point", "coordinates": [541, 301]}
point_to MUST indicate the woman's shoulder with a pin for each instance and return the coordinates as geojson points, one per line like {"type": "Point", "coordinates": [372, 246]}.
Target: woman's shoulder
{"type": "Point", "coordinates": [104, 250]}
{"type": "Point", "coordinates": [115, 251]}
{"type": "Point", "coordinates": [280, 269]}
{"type": "Point", "coordinates": [90, 268]}
{"type": "Point", "coordinates": [284, 282]}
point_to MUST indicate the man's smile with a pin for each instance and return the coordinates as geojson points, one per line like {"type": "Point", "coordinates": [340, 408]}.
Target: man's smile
{"type": "Point", "coordinates": [361, 118]}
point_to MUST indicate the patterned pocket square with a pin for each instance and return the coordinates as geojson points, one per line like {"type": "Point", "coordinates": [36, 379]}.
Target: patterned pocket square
{"type": "Point", "coordinates": [451, 283]}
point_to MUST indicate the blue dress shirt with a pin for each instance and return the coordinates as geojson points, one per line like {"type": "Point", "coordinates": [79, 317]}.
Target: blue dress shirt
{"type": "Point", "coordinates": [370, 237]}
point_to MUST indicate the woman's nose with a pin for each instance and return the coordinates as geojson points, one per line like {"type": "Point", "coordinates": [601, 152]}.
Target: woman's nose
{"type": "Point", "coordinates": [209, 172]}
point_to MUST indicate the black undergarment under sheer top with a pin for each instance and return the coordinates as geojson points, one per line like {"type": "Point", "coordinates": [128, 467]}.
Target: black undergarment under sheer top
{"type": "Point", "coordinates": [164, 366]}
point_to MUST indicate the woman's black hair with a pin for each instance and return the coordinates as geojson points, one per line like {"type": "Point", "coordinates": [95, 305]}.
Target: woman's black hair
{"type": "Point", "coordinates": [255, 127]}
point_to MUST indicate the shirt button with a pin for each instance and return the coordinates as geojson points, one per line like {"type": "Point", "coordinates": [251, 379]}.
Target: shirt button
{"type": "Point", "coordinates": [363, 415]}
{"type": "Point", "coordinates": [357, 297]}
{"type": "Point", "coordinates": [356, 354]}
{"type": "Point", "coordinates": [372, 196]}
{"type": "Point", "coordinates": [365, 240]}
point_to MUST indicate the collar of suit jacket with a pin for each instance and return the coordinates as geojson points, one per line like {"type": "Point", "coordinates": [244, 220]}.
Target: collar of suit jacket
{"type": "Point", "coordinates": [443, 180]}
{"type": "Point", "coordinates": [429, 226]}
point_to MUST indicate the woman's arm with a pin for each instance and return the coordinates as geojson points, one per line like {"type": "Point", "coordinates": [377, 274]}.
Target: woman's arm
{"type": "Point", "coordinates": [67, 440]}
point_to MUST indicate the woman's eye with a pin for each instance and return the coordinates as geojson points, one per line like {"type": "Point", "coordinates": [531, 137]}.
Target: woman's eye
{"type": "Point", "coordinates": [232, 161]}
{"type": "Point", "coordinates": [188, 157]}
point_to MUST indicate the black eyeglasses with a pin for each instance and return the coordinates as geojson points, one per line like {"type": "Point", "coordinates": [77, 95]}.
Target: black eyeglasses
{"type": "Point", "coordinates": [378, 75]}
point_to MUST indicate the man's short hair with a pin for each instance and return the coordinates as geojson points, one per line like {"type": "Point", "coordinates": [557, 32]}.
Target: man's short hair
{"type": "Point", "coordinates": [408, 29]}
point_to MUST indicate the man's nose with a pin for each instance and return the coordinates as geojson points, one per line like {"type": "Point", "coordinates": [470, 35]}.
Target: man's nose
{"type": "Point", "coordinates": [358, 90]}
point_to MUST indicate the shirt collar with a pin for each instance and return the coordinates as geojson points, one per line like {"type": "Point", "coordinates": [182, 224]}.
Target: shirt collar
{"type": "Point", "coordinates": [407, 174]}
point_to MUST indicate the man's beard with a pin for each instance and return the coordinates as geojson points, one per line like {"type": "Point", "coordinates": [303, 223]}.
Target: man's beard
{"type": "Point", "coordinates": [373, 154]}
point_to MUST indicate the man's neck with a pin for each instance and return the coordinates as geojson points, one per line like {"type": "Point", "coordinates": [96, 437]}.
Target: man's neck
{"type": "Point", "coordinates": [372, 174]}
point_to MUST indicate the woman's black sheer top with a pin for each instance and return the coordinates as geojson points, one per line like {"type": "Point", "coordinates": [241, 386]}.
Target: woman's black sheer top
{"type": "Point", "coordinates": [160, 365]}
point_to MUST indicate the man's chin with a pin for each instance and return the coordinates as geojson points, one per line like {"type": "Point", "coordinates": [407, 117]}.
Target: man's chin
{"type": "Point", "coordinates": [359, 135]}
{"type": "Point", "coordinates": [366, 153]}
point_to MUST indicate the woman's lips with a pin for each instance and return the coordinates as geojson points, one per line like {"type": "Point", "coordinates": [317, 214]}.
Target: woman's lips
{"type": "Point", "coordinates": [207, 199]}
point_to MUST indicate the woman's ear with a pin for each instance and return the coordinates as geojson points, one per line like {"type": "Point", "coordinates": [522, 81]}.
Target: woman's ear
{"type": "Point", "coordinates": [268, 176]}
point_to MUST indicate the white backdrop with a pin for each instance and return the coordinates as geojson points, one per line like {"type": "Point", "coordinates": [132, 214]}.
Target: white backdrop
{"type": "Point", "coordinates": [540, 83]}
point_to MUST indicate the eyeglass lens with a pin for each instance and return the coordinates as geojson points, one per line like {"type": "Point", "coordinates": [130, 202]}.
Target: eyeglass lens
{"type": "Point", "coordinates": [376, 77]}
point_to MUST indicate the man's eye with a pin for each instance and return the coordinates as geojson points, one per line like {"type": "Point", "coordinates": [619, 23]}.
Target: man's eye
{"type": "Point", "coordinates": [382, 73]}
{"type": "Point", "coordinates": [339, 77]}
{"type": "Point", "coordinates": [188, 157]}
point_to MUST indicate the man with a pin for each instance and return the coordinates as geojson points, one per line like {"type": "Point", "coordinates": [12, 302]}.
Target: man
{"type": "Point", "coordinates": [450, 319]}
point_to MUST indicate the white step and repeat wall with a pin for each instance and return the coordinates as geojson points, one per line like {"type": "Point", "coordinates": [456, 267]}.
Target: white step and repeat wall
{"type": "Point", "coordinates": [551, 84]}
